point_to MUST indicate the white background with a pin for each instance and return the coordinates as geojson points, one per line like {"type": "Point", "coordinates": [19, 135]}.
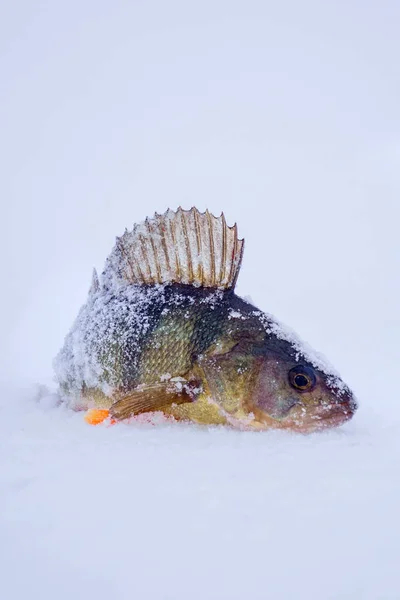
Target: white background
{"type": "Point", "coordinates": [285, 115]}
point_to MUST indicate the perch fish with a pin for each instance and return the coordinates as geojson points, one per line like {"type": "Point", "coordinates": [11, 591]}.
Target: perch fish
{"type": "Point", "coordinates": [163, 331]}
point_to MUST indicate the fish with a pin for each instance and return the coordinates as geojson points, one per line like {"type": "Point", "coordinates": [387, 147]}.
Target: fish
{"type": "Point", "coordinates": [164, 333]}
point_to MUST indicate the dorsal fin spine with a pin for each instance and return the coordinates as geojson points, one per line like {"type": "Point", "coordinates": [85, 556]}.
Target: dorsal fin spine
{"type": "Point", "coordinates": [200, 269]}
{"type": "Point", "coordinates": [234, 253]}
{"type": "Point", "coordinates": [185, 247]}
{"type": "Point", "coordinates": [141, 274]}
{"type": "Point", "coordinates": [237, 259]}
{"type": "Point", "coordinates": [223, 259]}
{"type": "Point", "coordinates": [125, 254]}
{"type": "Point", "coordinates": [154, 249]}
{"type": "Point", "coordinates": [177, 261]}
{"type": "Point", "coordinates": [95, 285]}
{"type": "Point", "coordinates": [212, 251]}
{"type": "Point", "coordinates": [161, 231]}
{"type": "Point", "coordinates": [149, 276]}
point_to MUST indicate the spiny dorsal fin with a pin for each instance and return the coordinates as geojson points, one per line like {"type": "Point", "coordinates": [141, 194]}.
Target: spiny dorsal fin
{"type": "Point", "coordinates": [185, 246]}
{"type": "Point", "coordinates": [95, 285]}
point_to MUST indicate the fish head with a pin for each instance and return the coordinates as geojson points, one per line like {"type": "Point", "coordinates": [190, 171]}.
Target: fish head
{"type": "Point", "coordinates": [294, 394]}
{"type": "Point", "coordinates": [266, 382]}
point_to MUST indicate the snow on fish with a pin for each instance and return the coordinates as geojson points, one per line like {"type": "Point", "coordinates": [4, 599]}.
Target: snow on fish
{"type": "Point", "coordinates": [163, 331]}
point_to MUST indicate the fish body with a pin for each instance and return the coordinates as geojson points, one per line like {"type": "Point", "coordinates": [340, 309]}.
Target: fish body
{"type": "Point", "coordinates": [164, 331]}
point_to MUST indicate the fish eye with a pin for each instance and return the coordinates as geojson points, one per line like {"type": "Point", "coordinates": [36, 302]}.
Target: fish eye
{"type": "Point", "coordinates": [302, 378]}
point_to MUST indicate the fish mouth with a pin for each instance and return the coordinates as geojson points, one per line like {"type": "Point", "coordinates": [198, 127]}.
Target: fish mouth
{"type": "Point", "coordinates": [332, 416]}
{"type": "Point", "coordinates": [304, 420]}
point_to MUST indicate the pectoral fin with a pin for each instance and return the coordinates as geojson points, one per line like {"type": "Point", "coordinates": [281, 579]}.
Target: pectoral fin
{"type": "Point", "coordinates": [151, 398]}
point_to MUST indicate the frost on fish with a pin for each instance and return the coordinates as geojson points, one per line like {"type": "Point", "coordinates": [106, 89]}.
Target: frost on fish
{"type": "Point", "coordinates": [164, 317]}
{"type": "Point", "coordinates": [302, 350]}
{"type": "Point", "coordinates": [113, 324]}
{"type": "Point", "coordinates": [113, 320]}
{"type": "Point", "coordinates": [119, 319]}
{"type": "Point", "coordinates": [318, 360]}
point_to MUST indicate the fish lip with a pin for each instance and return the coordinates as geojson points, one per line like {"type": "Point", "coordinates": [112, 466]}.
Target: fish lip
{"type": "Point", "coordinates": [324, 416]}
{"type": "Point", "coordinates": [340, 411]}
{"type": "Point", "coordinates": [336, 413]}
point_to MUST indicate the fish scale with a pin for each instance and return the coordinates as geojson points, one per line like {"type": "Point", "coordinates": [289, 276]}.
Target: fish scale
{"type": "Point", "coordinates": [183, 333]}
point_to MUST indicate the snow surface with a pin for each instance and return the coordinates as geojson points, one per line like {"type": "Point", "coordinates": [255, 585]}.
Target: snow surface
{"type": "Point", "coordinates": [176, 511]}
